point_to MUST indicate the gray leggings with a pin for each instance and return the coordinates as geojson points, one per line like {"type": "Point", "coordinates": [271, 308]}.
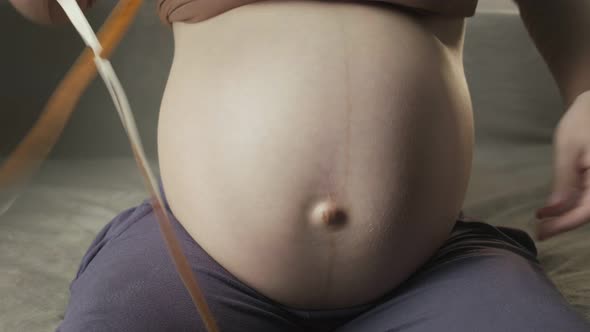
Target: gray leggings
{"type": "Point", "coordinates": [483, 278]}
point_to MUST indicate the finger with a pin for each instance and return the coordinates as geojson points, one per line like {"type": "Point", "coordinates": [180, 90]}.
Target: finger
{"type": "Point", "coordinates": [196, 11]}
{"type": "Point", "coordinates": [56, 13]}
{"type": "Point", "coordinates": [559, 208]}
{"type": "Point", "coordinates": [552, 210]}
{"type": "Point", "coordinates": [556, 226]}
{"type": "Point", "coordinates": [573, 219]}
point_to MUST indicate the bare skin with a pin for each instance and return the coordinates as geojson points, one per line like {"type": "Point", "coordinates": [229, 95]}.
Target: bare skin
{"type": "Point", "coordinates": [281, 114]}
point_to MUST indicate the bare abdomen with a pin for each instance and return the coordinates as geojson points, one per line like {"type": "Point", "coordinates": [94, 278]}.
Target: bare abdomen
{"type": "Point", "coordinates": [275, 108]}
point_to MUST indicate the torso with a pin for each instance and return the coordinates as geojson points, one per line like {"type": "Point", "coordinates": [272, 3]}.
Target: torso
{"type": "Point", "coordinates": [273, 107]}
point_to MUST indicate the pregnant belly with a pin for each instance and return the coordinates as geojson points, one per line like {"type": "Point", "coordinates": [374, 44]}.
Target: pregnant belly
{"type": "Point", "coordinates": [275, 112]}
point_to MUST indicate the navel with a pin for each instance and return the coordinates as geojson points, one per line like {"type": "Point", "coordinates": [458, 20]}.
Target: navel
{"type": "Point", "coordinates": [328, 213]}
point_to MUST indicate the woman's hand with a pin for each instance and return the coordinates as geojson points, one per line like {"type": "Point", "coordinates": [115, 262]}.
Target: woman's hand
{"type": "Point", "coordinates": [569, 204]}
{"type": "Point", "coordinates": [196, 10]}
{"type": "Point", "coordinates": [45, 11]}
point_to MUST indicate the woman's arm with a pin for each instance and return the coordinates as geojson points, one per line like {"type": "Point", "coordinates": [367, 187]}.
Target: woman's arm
{"type": "Point", "coordinates": [45, 11]}
{"type": "Point", "coordinates": [561, 32]}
